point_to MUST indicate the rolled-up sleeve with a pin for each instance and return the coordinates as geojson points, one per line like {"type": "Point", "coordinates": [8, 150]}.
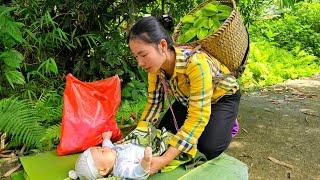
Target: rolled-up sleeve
{"type": "Point", "coordinates": [155, 99]}
{"type": "Point", "coordinates": [199, 106]}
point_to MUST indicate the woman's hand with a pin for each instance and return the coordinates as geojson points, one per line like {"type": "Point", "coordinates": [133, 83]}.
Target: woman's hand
{"type": "Point", "coordinates": [157, 163]}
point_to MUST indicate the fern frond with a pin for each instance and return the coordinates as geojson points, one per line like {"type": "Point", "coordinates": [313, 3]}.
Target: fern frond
{"type": "Point", "coordinates": [52, 133]}
{"type": "Point", "coordinates": [20, 120]}
{"type": "Point", "coordinates": [51, 137]}
{"type": "Point", "coordinates": [49, 107]}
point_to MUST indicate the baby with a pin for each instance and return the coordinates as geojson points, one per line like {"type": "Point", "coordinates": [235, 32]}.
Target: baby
{"type": "Point", "coordinates": [121, 160]}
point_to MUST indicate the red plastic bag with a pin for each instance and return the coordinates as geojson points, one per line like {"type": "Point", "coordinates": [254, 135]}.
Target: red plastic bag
{"type": "Point", "coordinates": [89, 109]}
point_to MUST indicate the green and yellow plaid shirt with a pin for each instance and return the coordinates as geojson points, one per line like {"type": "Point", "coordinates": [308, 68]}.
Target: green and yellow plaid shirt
{"type": "Point", "coordinates": [197, 82]}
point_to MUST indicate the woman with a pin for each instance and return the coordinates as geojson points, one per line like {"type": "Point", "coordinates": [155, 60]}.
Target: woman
{"type": "Point", "coordinates": [206, 95]}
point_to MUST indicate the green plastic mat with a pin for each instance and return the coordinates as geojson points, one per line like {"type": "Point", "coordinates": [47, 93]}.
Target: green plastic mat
{"type": "Point", "coordinates": [223, 167]}
{"type": "Point", "coordinates": [50, 166]}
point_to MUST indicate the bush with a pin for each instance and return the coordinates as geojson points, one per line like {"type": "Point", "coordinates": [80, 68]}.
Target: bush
{"type": "Point", "coordinates": [20, 120]}
{"type": "Point", "coordinates": [10, 59]}
{"type": "Point", "coordinates": [298, 28]}
{"type": "Point", "coordinates": [268, 65]}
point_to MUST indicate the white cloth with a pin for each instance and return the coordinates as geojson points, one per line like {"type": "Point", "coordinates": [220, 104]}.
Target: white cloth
{"type": "Point", "coordinates": [128, 159]}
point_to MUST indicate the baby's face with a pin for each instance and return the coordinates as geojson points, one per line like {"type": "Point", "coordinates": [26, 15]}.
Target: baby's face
{"type": "Point", "coordinates": [104, 157]}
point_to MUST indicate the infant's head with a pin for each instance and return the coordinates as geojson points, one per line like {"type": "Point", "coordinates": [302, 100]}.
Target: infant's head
{"type": "Point", "coordinates": [94, 163]}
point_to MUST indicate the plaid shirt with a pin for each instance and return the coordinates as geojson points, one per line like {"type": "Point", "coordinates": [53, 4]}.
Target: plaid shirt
{"type": "Point", "coordinates": [197, 82]}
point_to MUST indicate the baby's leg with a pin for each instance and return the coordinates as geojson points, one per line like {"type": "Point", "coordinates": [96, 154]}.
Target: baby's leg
{"type": "Point", "coordinates": [146, 160]}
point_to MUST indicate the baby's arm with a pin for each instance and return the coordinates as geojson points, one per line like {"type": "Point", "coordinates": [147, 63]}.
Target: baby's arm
{"type": "Point", "coordinates": [106, 139]}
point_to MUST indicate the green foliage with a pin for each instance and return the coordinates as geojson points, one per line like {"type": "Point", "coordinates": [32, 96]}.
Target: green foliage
{"type": "Point", "coordinates": [108, 58]}
{"type": "Point", "coordinates": [134, 89]}
{"type": "Point", "coordinates": [49, 107]}
{"type": "Point", "coordinates": [10, 58]}
{"type": "Point", "coordinates": [134, 100]}
{"type": "Point", "coordinates": [49, 66]}
{"type": "Point", "coordinates": [130, 111]}
{"type": "Point", "coordinates": [283, 48]}
{"type": "Point", "coordinates": [20, 120]}
{"type": "Point", "coordinates": [84, 38]}
{"type": "Point", "coordinates": [10, 30]}
{"type": "Point", "coordinates": [203, 22]}
{"type": "Point", "coordinates": [32, 122]}
{"type": "Point", "coordinates": [14, 76]}
{"type": "Point", "coordinates": [51, 138]}
{"type": "Point", "coordinates": [290, 3]}
{"type": "Point", "coordinates": [251, 9]}
{"type": "Point", "coordinates": [292, 30]}
{"type": "Point", "coordinates": [268, 65]}
{"type": "Point", "coordinates": [308, 14]}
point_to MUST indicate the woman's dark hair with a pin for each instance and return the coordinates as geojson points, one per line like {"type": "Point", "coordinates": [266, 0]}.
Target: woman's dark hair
{"type": "Point", "coordinates": [152, 30]}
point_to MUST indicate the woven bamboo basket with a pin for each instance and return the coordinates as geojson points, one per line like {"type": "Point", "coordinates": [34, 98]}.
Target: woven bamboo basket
{"type": "Point", "coordinates": [229, 44]}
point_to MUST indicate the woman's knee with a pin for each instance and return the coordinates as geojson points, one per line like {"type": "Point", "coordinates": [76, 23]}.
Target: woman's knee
{"type": "Point", "coordinates": [213, 150]}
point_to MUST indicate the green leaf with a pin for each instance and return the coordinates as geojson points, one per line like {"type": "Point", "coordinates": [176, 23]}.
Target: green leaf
{"type": "Point", "coordinates": [202, 33]}
{"type": "Point", "coordinates": [48, 66]}
{"type": "Point", "coordinates": [223, 15]}
{"type": "Point", "coordinates": [53, 66]}
{"type": "Point", "coordinates": [126, 92]}
{"type": "Point", "coordinates": [20, 120]}
{"type": "Point", "coordinates": [10, 27]}
{"type": "Point", "coordinates": [186, 27]}
{"type": "Point", "coordinates": [224, 9]}
{"type": "Point", "coordinates": [12, 58]}
{"type": "Point", "coordinates": [31, 34]}
{"type": "Point", "coordinates": [186, 37]}
{"type": "Point", "coordinates": [5, 10]}
{"type": "Point", "coordinates": [134, 94]}
{"type": "Point", "coordinates": [213, 24]}
{"type": "Point", "coordinates": [14, 77]}
{"type": "Point", "coordinates": [201, 22]}
{"type": "Point", "coordinates": [210, 10]}
{"type": "Point", "coordinates": [48, 19]}
{"type": "Point", "coordinates": [198, 13]}
{"type": "Point", "coordinates": [188, 19]}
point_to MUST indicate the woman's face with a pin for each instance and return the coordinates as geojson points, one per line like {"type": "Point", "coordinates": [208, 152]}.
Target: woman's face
{"type": "Point", "coordinates": [149, 56]}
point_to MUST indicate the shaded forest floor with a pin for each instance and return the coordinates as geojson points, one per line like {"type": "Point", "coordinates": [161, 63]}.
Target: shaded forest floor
{"type": "Point", "coordinates": [280, 122]}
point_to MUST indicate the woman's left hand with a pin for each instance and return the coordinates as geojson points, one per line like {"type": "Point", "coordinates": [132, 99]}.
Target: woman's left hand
{"type": "Point", "coordinates": [157, 163]}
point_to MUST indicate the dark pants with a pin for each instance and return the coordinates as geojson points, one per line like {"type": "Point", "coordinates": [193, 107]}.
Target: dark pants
{"type": "Point", "coordinates": [216, 136]}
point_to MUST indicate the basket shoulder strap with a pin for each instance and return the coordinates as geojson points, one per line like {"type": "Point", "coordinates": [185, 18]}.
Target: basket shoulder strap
{"type": "Point", "coordinates": [241, 68]}
{"type": "Point", "coordinates": [192, 52]}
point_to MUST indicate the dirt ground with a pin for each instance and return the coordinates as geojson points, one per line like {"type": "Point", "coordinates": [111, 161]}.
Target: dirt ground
{"type": "Point", "coordinates": [280, 122]}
